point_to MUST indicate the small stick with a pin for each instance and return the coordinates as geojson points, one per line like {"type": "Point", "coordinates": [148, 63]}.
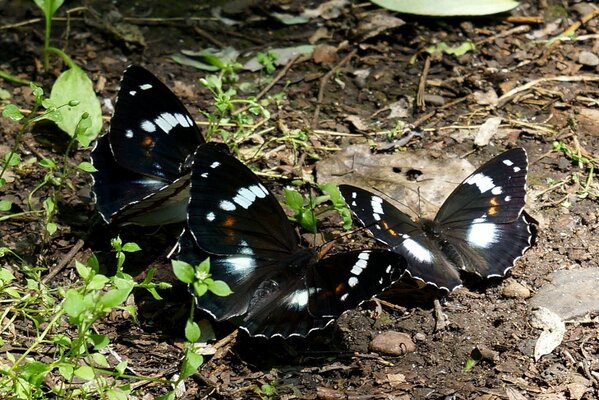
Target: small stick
{"type": "Point", "coordinates": [323, 83]}
{"type": "Point", "coordinates": [422, 84]}
{"type": "Point", "coordinates": [63, 263]}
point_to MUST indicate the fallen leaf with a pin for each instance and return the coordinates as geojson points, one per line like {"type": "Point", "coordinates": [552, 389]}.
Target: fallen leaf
{"type": "Point", "coordinates": [553, 331]}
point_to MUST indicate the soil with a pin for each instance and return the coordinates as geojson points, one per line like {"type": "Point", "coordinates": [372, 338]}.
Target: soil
{"type": "Point", "coordinates": [327, 96]}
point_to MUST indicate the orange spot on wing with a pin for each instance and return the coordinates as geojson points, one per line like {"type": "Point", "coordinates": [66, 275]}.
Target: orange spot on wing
{"type": "Point", "coordinates": [340, 288]}
{"type": "Point", "coordinates": [147, 141]}
{"type": "Point", "coordinates": [492, 211]}
{"type": "Point", "coordinates": [229, 221]}
{"type": "Point", "coordinates": [493, 201]}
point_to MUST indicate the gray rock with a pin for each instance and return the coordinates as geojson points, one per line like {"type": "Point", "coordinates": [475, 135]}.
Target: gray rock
{"type": "Point", "coordinates": [570, 294]}
{"type": "Point", "coordinates": [588, 58]}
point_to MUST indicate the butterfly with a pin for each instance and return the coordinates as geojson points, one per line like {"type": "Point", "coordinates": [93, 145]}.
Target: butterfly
{"type": "Point", "coordinates": [143, 162]}
{"type": "Point", "coordinates": [279, 288]}
{"type": "Point", "coordinates": [481, 228]}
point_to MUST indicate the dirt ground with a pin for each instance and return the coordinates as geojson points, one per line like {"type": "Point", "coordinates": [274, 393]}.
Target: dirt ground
{"type": "Point", "coordinates": [344, 94]}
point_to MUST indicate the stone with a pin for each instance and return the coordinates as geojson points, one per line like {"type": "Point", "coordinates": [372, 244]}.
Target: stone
{"type": "Point", "coordinates": [588, 58]}
{"type": "Point", "coordinates": [570, 293]}
{"type": "Point", "coordinates": [515, 290]}
{"type": "Point", "coordinates": [392, 343]}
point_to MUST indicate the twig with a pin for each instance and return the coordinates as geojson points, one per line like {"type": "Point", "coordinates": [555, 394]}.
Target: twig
{"type": "Point", "coordinates": [509, 32]}
{"type": "Point", "coordinates": [66, 259]}
{"type": "Point", "coordinates": [576, 78]}
{"type": "Point", "coordinates": [209, 37]}
{"type": "Point", "coordinates": [323, 83]}
{"type": "Point", "coordinates": [422, 83]}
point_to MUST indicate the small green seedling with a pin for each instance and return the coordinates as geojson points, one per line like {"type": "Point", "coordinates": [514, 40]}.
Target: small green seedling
{"type": "Point", "coordinates": [304, 209]}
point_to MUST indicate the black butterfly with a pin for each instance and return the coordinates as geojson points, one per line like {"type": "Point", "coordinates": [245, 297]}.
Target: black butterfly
{"type": "Point", "coordinates": [144, 160]}
{"type": "Point", "coordinates": [279, 289]}
{"type": "Point", "coordinates": [481, 228]}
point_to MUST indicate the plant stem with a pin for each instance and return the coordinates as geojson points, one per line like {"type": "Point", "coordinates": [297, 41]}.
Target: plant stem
{"type": "Point", "coordinates": [12, 78]}
{"type": "Point", "coordinates": [67, 60]}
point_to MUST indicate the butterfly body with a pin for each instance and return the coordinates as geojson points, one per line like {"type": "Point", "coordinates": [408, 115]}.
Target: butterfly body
{"type": "Point", "coordinates": [480, 228]}
{"type": "Point", "coordinates": [143, 162]}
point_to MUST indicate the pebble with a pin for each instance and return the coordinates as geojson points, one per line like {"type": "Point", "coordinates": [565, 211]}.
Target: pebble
{"type": "Point", "coordinates": [392, 343]}
{"type": "Point", "coordinates": [588, 58]}
{"type": "Point", "coordinates": [570, 293]}
{"type": "Point", "coordinates": [515, 290]}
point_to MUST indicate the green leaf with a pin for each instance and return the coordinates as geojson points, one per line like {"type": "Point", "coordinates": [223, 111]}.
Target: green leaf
{"type": "Point", "coordinates": [183, 271]}
{"type": "Point", "coordinates": [191, 363]}
{"type": "Point", "coordinates": [472, 360]}
{"type": "Point", "coordinates": [192, 331]}
{"type": "Point", "coordinates": [87, 167]}
{"type": "Point", "coordinates": [100, 360]}
{"type": "Point", "coordinates": [118, 393]}
{"type": "Point", "coordinates": [12, 112]}
{"type": "Point", "coordinates": [51, 227]}
{"type": "Point", "coordinates": [131, 247]}
{"type": "Point", "coordinates": [116, 297]}
{"type": "Point", "coordinates": [49, 7]}
{"type": "Point", "coordinates": [85, 372]}
{"type": "Point", "coordinates": [97, 282]}
{"type": "Point", "coordinates": [458, 50]}
{"type": "Point", "coordinates": [34, 372]}
{"type": "Point", "coordinates": [11, 159]}
{"type": "Point", "coordinates": [220, 288]}
{"type": "Point", "coordinates": [6, 276]}
{"type": "Point", "coordinates": [74, 303]}
{"type": "Point", "coordinates": [447, 8]}
{"type": "Point", "coordinates": [199, 288]}
{"type": "Point", "coordinates": [47, 163]}
{"type": "Point", "coordinates": [83, 270]}
{"type": "Point", "coordinates": [294, 199]}
{"type": "Point", "coordinates": [66, 371]}
{"type": "Point", "coordinates": [74, 84]}
{"type": "Point", "coordinates": [5, 205]}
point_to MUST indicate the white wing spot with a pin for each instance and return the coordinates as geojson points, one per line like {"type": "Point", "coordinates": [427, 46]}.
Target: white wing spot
{"type": "Point", "coordinates": [166, 122]}
{"type": "Point", "coordinates": [508, 199]}
{"type": "Point", "coordinates": [245, 249]}
{"type": "Point", "coordinates": [344, 297]}
{"type": "Point", "coordinates": [482, 235]}
{"type": "Point", "coordinates": [259, 190]}
{"type": "Point", "coordinates": [497, 190]}
{"type": "Point", "coordinates": [204, 174]}
{"type": "Point", "coordinates": [483, 182]}
{"type": "Point", "coordinates": [148, 126]}
{"type": "Point", "coordinates": [210, 216]}
{"type": "Point", "coordinates": [132, 92]}
{"type": "Point", "coordinates": [417, 251]}
{"type": "Point", "coordinates": [517, 169]}
{"type": "Point", "coordinates": [183, 120]}
{"type": "Point", "coordinates": [299, 298]}
{"type": "Point", "coordinates": [377, 205]}
{"type": "Point", "coordinates": [353, 281]}
{"type": "Point", "coordinates": [214, 164]}
{"type": "Point", "coordinates": [245, 197]}
{"type": "Point", "coordinates": [129, 133]}
{"type": "Point", "coordinates": [509, 163]}
{"type": "Point", "coordinates": [227, 205]}
{"type": "Point", "coordinates": [354, 195]}
{"type": "Point", "coordinates": [145, 86]}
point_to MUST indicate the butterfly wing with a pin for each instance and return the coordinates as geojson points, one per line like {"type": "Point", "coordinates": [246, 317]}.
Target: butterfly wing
{"type": "Point", "coordinates": [425, 261]}
{"type": "Point", "coordinates": [151, 133]}
{"type": "Point", "coordinates": [230, 212]}
{"type": "Point", "coordinates": [482, 219]}
{"type": "Point", "coordinates": [142, 161]}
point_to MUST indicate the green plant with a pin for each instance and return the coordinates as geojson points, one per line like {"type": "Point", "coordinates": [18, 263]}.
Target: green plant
{"type": "Point", "coordinates": [63, 321]}
{"type": "Point", "coordinates": [267, 60]}
{"type": "Point", "coordinates": [585, 162]}
{"type": "Point", "coordinates": [199, 278]}
{"type": "Point", "coordinates": [305, 211]}
{"type": "Point", "coordinates": [58, 171]}
{"type": "Point", "coordinates": [49, 8]}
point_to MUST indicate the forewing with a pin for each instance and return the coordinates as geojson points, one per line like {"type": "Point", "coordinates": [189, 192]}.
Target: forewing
{"type": "Point", "coordinates": [151, 132]}
{"type": "Point", "coordinates": [231, 213]}
{"type": "Point", "coordinates": [493, 193]}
